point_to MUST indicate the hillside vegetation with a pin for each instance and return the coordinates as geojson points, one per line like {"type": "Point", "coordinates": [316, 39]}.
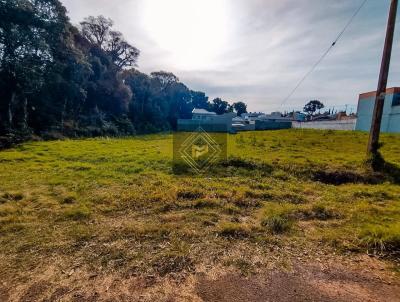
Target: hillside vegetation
{"type": "Point", "coordinates": [114, 204]}
{"type": "Point", "coordinates": [59, 80]}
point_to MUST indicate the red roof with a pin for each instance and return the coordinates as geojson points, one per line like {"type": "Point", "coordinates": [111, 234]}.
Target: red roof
{"type": "Point", "coordinates": [371, 94]}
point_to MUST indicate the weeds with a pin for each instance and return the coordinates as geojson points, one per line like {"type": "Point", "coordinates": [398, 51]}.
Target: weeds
{"type": "Point", "coordinates": [277, 224]}
{"type": "Point", "coordinates": [318, 212]}
{"type": "Point", "coordinates": [77, 213]}
{"type": "Point", "coordinates": [190, 195]}
{"type": "Point", "coordinates": [233, 230]}
{"type": "Point", "coordinates": [12, 197]}
{"type": "Point", "coordinates": [172, 263]}
{"type": "Point", "coordinates": [118, 202]}
{"type": "Point", "coordinates": [381, 238]}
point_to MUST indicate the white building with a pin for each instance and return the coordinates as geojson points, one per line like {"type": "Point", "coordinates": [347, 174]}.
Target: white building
{"type": "Point", "coordinates": [209, 121]}
{"type": "Point", "coordinates": [202, 114]}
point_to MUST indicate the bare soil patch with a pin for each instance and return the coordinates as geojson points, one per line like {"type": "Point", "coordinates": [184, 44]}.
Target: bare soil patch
{"type": "Point", "coordinates": [329, 278]}
{"type": "Point", "coordinates": [304, 283]}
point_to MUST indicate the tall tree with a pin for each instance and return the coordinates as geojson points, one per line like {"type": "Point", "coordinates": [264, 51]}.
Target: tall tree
{"type": "Point", "coordinates": [57, 80]}
{"type": "Point", "coordinates": [29, 33]}
{"type": "Point", "coordinates": [220, 107]}
{"type": "Point", "coordinates": [312, 106]}
{"type": "Point", "coordinates": [240, 108]}
{"type": "Point", "coordinates": [200, 100]}
{"type": "Point", "coordinates": [122, 53]}
{"type": "Point", "coordinates": [98, 31]}
{"type": "Point", "coordinates": [165, 78]}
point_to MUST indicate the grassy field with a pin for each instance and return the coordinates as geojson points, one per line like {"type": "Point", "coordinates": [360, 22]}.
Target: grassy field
{"type": "Point", "coordinates": [115, 205]}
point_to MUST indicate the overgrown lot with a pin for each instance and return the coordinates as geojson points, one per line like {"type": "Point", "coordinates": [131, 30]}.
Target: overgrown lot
{"type": "Point", "coordinates": [115, 205]}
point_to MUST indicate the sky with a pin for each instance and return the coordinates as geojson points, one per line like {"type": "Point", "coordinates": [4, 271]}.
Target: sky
{"type": "Point", "coordinates": [256, 51]}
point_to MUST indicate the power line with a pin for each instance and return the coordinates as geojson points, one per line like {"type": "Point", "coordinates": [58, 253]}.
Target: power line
{"type": "Point", "coordinates": [325, 53]}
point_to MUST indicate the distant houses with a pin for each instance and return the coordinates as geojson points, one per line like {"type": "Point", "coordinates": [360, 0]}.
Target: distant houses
{"type": "Point", "coordinates": [258, 121]}
{"type": "Point", "coordinates": [230, 122]}
{"type": "Point", "coordinates": [262, 121]}
{"type": "Point", "coordinates": [253, 121]}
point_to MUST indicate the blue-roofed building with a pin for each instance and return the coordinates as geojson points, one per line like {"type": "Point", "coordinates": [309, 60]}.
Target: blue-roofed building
{"type": "Point", "coordinates": [391, 111]}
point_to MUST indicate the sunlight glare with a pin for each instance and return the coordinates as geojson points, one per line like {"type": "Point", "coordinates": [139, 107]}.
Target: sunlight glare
{"type": "Point", "coordinates": [193, 32]}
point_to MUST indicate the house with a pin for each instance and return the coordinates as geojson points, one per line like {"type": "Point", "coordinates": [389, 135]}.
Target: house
{"type": "Point", "coordinates": [327, 121]}
{"type": "Point", "coordinates": [274, 117]}
{"type": "Point", "coordinates": [251, 116]}
{"type": "Point", "coordinates": [262, 121]}
{"type": "Point", "coordinates": [208, 121]}
{"type": "Point", "coordinates": [241, 124]}
{"type": "Point", "coordinates": [391, 111]}
{"type": "Point", "coordinates": [273, 121]}
{"type": "Point", "coordinates": [296, 116]}
{"type": "Point", "coordinates": [202, 114]}
{"type": "Point", "coordinates": [299, 116]}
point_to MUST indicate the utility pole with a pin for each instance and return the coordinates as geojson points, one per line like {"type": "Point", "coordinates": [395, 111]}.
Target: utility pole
{"type": "Point", "coordinates": [373, 143]}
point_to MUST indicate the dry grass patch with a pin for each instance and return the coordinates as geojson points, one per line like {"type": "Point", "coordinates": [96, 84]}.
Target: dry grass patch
{"type": "Point", "coordinates": [116, 204]}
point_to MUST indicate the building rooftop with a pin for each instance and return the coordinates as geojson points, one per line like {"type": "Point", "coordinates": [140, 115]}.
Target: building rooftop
{"type": "Point", "coordinates": [202, 111]}
{"type": "Point", "coordinates": [238, 119]}
{"type": "Point", "coordinates": [372, 94]}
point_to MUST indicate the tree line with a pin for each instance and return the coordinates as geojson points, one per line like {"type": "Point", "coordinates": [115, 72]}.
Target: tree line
{"type": "Point", "coordinates": [58, 80]}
